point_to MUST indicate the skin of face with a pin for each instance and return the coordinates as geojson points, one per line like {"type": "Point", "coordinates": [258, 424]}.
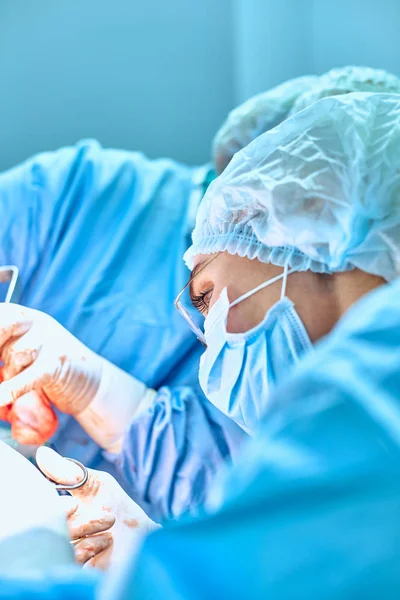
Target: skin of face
{"type": "Point", "coordinates": [319, 299]}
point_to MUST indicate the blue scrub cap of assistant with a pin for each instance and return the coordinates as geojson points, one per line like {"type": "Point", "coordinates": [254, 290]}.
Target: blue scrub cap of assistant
{"type": "Point", "coordinates": [266, 110]}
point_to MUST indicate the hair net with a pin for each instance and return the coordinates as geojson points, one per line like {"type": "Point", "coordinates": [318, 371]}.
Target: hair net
{"type": "Point", "coordinates": [344, 81]}
{"type": "Point", "coordinates": [321, 191]}
{"type": "Point", "coordinates": [256, 116]}
{"type": "Point", "coordinates": [266, 110]}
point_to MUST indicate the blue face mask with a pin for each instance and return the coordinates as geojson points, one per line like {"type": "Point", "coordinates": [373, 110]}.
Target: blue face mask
{"type": "Point", "coordinates": [237, 370]}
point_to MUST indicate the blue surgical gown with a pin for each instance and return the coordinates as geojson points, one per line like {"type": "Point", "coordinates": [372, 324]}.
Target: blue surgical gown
{"type": "Point", "coordinates": [311, 509]}
{"type": "Point", "coordinates": [98, 236]}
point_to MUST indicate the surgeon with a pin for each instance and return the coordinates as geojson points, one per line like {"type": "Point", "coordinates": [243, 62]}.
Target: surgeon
{"type": "Point", "coordinates": [292, 234]}
{"type": "Point", "coordinates": [98, 237]}
{"type": "Point", "coordinates": [311, 509]}
{"type": "Point", "coordinates": [122, 310]}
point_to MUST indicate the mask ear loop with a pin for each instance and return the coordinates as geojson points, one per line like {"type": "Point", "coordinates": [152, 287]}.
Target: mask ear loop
{"type": "Point", "coordinates": [256, 289]}
{"type": "Point", "coordinates": [284, 282]}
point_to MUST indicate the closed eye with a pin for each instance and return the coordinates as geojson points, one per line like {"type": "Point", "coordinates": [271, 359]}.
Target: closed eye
{"type": "Point", "coordinates": [202, 301]}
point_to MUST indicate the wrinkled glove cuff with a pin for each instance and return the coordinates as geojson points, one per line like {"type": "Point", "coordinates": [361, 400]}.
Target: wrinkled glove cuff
{"type": "Point", "coordinates": [119, 399]}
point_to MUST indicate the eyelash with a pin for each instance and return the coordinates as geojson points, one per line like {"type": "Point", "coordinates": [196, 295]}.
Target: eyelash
{"type": "Point", "coordinates": [199, 302]}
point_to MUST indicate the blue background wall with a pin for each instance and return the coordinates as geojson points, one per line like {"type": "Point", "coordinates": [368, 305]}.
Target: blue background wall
{"type": "Point", "coordinates": [155, 75]}
{"type": "Point", "coordinates": [159, 75]}
{"type": "Point", "coordinates": [278, 39]}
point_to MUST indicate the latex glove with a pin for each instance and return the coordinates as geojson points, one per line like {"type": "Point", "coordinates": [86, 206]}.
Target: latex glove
{"type": "Point", "coordinates": [29, 507]}
{"type": "Point", "coordinates": [39, 354]}
{"type": "Point", "coordinates": [103, 521]}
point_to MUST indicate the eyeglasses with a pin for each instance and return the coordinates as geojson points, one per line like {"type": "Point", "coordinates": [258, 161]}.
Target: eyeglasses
{"type": "Point", "coordinates": [199, 333]}
{"type": "Point", "coordinates": [196, 329]}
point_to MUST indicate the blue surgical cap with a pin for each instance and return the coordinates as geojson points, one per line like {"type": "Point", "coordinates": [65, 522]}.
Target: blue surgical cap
{"type": "Point", "coordinates": [345, 81]}
{"type": "Point", "coordinates": [266, 110]}
{"type": "Point", "coordinates": [320, 192]}
{"type": "Point", "coordinates": [256, 116]}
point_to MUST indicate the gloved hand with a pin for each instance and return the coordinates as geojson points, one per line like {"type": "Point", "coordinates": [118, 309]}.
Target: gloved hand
{"type": "Point", "coordinates": [103, 521]}
{"type": "Point", "coordinates": [29, 510]}
{"type": "Point", "coordinates": [39, 354]}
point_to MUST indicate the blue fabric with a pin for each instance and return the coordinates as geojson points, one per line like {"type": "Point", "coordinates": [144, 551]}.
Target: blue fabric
{"type": "Point", "coordinates": [98, 236]}
{"type": "Point", "coordinates": [188, 443]}
{"type": "Point", "coordinates": [63, 584]}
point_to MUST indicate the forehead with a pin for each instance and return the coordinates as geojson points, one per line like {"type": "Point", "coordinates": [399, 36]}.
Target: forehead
{"type": "Point", "coordinates": [200, 259]}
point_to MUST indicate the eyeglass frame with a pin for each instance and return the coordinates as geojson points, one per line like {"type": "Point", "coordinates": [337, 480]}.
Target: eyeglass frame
{"type": "Point", "coordinates": [182, 310]}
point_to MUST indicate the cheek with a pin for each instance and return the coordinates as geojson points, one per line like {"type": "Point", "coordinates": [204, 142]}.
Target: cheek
{"type": "Point", "coordinates": [245, 316]}
{"type": "Point", "coordinates": [240, 319]}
